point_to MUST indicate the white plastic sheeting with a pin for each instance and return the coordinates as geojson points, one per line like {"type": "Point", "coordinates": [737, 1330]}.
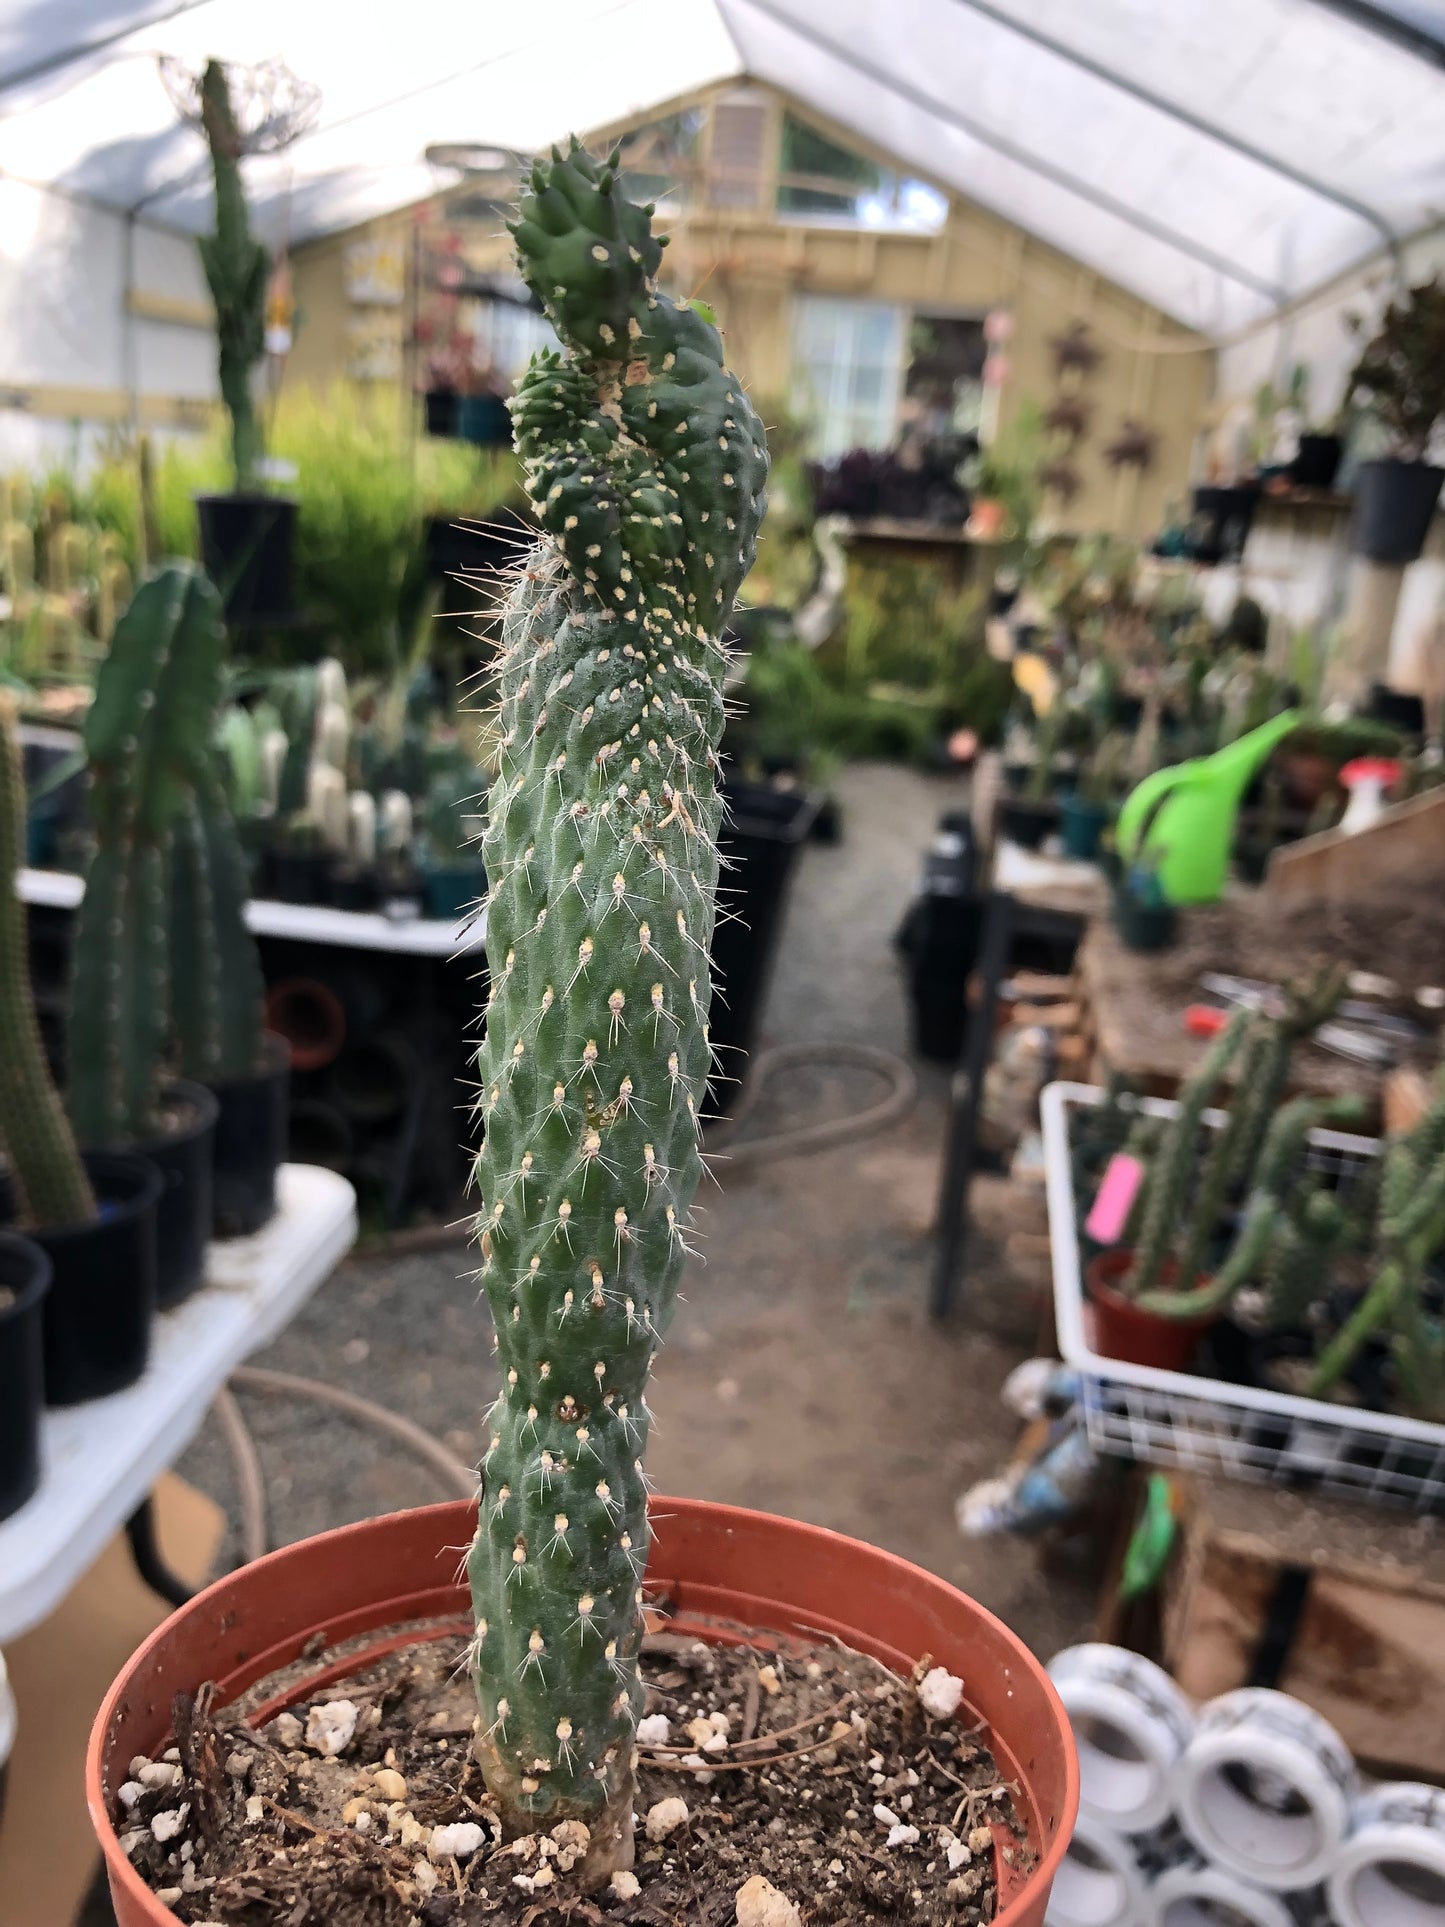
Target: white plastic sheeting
{"type": "Point", "coordinates": [1218, 157]}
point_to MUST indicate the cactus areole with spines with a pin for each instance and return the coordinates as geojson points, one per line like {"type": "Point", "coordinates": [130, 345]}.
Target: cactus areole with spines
{"type": "Point", "coordinates": [647, 465]}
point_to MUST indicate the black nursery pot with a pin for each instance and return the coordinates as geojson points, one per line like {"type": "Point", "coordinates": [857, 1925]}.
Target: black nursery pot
{"type": "Point", "coordinates": [1316, 461]}
{"type": "Point", "coordinates": [185, 1158]}
{"type": "Point", "coordinates": [1024, 822]}
{"type": "Point", "coordinates": [301, 876]}
{"type": "Point", "coordinates": [250, 1143]}
{"type": "Point", "coordinates": [102, 1298]}
{"type": "Point", "coordinates": [1394, 503]}
{"type": "Point", "coordinates": [246, 547]}
{"type": "Point", "coordinates": [24, 1281]}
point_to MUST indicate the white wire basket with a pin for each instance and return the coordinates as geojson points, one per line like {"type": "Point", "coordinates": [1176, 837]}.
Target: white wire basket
{"type": "Point", "coordinates": [1210, 1425]}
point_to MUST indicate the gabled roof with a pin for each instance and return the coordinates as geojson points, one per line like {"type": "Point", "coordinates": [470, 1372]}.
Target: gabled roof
{"type": "Point", "coordinates": [1217, 157]}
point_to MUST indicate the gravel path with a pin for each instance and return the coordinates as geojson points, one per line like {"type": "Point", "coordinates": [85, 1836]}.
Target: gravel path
{"type": "Point", "coordinates": [802, 1374]}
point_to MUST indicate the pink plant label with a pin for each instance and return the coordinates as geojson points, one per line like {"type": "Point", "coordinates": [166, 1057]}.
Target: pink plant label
{"type": "Point", "coordinates": [1115, 1200]}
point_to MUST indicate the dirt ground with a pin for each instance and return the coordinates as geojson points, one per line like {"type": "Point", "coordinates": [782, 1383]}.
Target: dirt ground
{"type": "Point", "coordinates": [802, 1374]}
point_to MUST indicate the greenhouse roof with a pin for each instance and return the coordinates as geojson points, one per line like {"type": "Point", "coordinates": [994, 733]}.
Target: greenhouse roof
{"type": "Point", "coordinates": [1218, 157]}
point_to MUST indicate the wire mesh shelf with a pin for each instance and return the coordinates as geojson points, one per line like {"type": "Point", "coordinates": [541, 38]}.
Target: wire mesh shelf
{"type": "Point", "coordinates": [1210, 1425]}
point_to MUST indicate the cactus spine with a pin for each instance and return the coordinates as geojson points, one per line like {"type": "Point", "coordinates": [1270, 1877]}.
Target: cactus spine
{"type": "Point", "coordinates": [236, 267]}
{"type": "Point", "coordinates": [647, 466]}
{"type": "Point", "coordinates": [147, 737]}
{"type": "Point", "coordinates": [49, 1176]}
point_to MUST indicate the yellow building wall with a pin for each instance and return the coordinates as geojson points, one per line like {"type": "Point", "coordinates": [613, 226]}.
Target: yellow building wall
{"type": "Point", "coordinates": [750, 266]}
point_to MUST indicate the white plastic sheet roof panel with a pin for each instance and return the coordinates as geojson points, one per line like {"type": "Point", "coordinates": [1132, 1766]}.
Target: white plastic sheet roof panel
{"type": "Point", "coordinates": [1217, 157]}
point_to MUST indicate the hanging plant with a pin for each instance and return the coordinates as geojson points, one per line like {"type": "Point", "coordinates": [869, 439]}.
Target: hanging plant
{"type": "Point", "coordinates": [1061, 478]}
{"type": "Point", "coordinates": [1135, 446]}
{"type": "Point", "coordinates": [1068, 415]}
{"type": "Point", "coordinates": [1075, 349]}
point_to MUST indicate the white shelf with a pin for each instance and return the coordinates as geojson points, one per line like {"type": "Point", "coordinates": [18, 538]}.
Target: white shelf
{"type": "Point", "coordinates": [102, 1458]}
{"type": "Point", "coordinates": [305, 922]}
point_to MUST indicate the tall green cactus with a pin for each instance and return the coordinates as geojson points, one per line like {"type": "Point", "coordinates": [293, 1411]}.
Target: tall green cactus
{"type": "Point", "coordinates": [236, 267]}
{"type": "Point", "coordinates": [49, 1177]}
{"type": "Point", "coordinates": [647, 466]}
{"type": "Point", "coordinates": [148, 740]}
{"type": "Point", "coordinates": [218, 993]}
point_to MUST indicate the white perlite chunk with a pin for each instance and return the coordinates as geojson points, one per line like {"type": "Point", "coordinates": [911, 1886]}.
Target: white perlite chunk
{"type": "Point", "coordinates": [957, 1855]}
{"type": "Point", "coordinates": [902, 1836]}
{"type": "Point", "coordinates": [458, 1841]}
{"type": "Point", "coordinates": [288, 1729]}
{"type": "Point", "coordinates": [939, 1692]}
{"type": "Point", "coordinates": [128, 1792]}
{"type": "Point", "coordinates": [160, 1775]}
{"type": "Point", "coordinates": [666, 1817]}
{"type": "Point", "coordinates": [885, 1815]}
{"type": "Point", "coordinates": [625, 1885]}
{"type": "Point", "coordinates": [760, 1904]}
{"type": "Point", "coordinates": [654, 1730]}
{"type": "Point", "coordinates": [330, 1729]}
{"type": "Point", "coordinates": [255, 1810]}
{"type": "Point", "coordinates": [167, 1825]}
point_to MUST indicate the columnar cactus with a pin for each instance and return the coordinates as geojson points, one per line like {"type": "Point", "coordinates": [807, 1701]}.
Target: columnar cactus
{"type": "Point", "coordinates": [236, 267]}
{"type": "Point", "coordinates": [218, 993]}
{"type": "Point", "coordinates": [148, 740]}
{"type": "Point", "coordinates": [647, 467]}
{"type": "Point", "coordinates": [50, 1179]}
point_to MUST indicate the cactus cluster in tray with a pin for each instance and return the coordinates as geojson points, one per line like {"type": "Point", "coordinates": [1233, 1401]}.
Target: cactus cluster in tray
{"type": "Point", "coordinates": [646, 464]}
{"type": "Point", "coordinates": [1194, 1173]}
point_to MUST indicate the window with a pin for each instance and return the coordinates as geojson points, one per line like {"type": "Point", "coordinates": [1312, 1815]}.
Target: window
{"type": "Point", "coordinates": [507, 335]}
{"type": "Point", "coordinates": [848, 359]}
{"type": "Point", "coordinates": [660, 161]}
{"type": "Point", "coordinates": [819, 181]}
{"type": "Point", "coordinates": [943, 390]}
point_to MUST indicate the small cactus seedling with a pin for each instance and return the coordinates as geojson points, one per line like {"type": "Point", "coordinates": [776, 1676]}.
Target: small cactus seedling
{"type": "Point", "coordinates": [647, 465]}
{"type": "Point", "coordinates": [50, 1179]}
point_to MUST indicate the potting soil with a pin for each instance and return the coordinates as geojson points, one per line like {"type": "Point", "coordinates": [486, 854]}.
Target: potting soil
{"type": "Point", "coordinates": [819, 1771]}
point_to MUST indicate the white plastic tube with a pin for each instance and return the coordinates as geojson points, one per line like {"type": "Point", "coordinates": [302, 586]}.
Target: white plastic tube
{"type": "Point", "coordinates": [9, 1718]}
{"type": "Point", "coordinates": [1203, 1896]}
{"type": "Point", "coordinates": [1131, 1723]}
{"type": "Point", "coordinates": [1391, 1870]}
{"type": "Point", "coordinates": [1263, 1789]}
{"type": "Point", "coordinates": [1098, 1883]}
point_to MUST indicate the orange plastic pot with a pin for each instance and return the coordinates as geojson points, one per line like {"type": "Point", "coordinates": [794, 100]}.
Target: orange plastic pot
{"type": "Point", "coordinates": [718, 1569]}
{"type": "Point", "coordinates": [1122, 1330]}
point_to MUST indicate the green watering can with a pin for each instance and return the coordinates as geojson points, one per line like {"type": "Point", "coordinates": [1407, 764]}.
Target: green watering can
{"type": "Point", "coordinates": [1183, 816]}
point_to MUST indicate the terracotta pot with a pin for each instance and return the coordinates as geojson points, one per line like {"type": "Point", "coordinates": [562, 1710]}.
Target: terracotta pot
{"type": "Point", "coordinates": [1121, 1330]}
{"type": "Point", "coordinates": [710, 1563]}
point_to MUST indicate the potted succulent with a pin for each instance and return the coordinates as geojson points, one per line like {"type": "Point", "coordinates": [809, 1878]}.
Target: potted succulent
{"type": "Point", "coordinates": [600, 846]}
{"type": "Point", "coordinates": [1153, 1295]}
{"type": "Point", "coordinates": [1085, 813]}
{"type": "Point", "coordinates": [1143, 915]}
{"type": "Point", "coordinates": [148, 740]}
{"type": "Point", "coordinates": [93, 1219]}
{"type": "Point", "coordinates": [1400, 377]}
{"type": "Point", "coordinates": [246, 534]}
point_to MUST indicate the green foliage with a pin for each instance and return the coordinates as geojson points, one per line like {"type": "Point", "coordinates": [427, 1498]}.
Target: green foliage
{"type": "Point", "coordinates": [1401, 370]}
{"type": "Point", "coordinates": [50, 1180]}
{"type": "Point", "coordinates": [647, 465]}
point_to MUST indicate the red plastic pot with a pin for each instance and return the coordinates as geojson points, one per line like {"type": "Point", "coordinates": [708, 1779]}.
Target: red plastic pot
{"type": "Point", "coordinates": [1136, 1337]}
{"type": "Point", "coordinates": [710, 1563]}
{"type": "Point", "coordinates": [309, 1016]}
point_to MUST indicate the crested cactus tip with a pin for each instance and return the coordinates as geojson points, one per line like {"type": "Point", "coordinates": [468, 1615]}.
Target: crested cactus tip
{"type": "Point", "coordinates": [646, 465]}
